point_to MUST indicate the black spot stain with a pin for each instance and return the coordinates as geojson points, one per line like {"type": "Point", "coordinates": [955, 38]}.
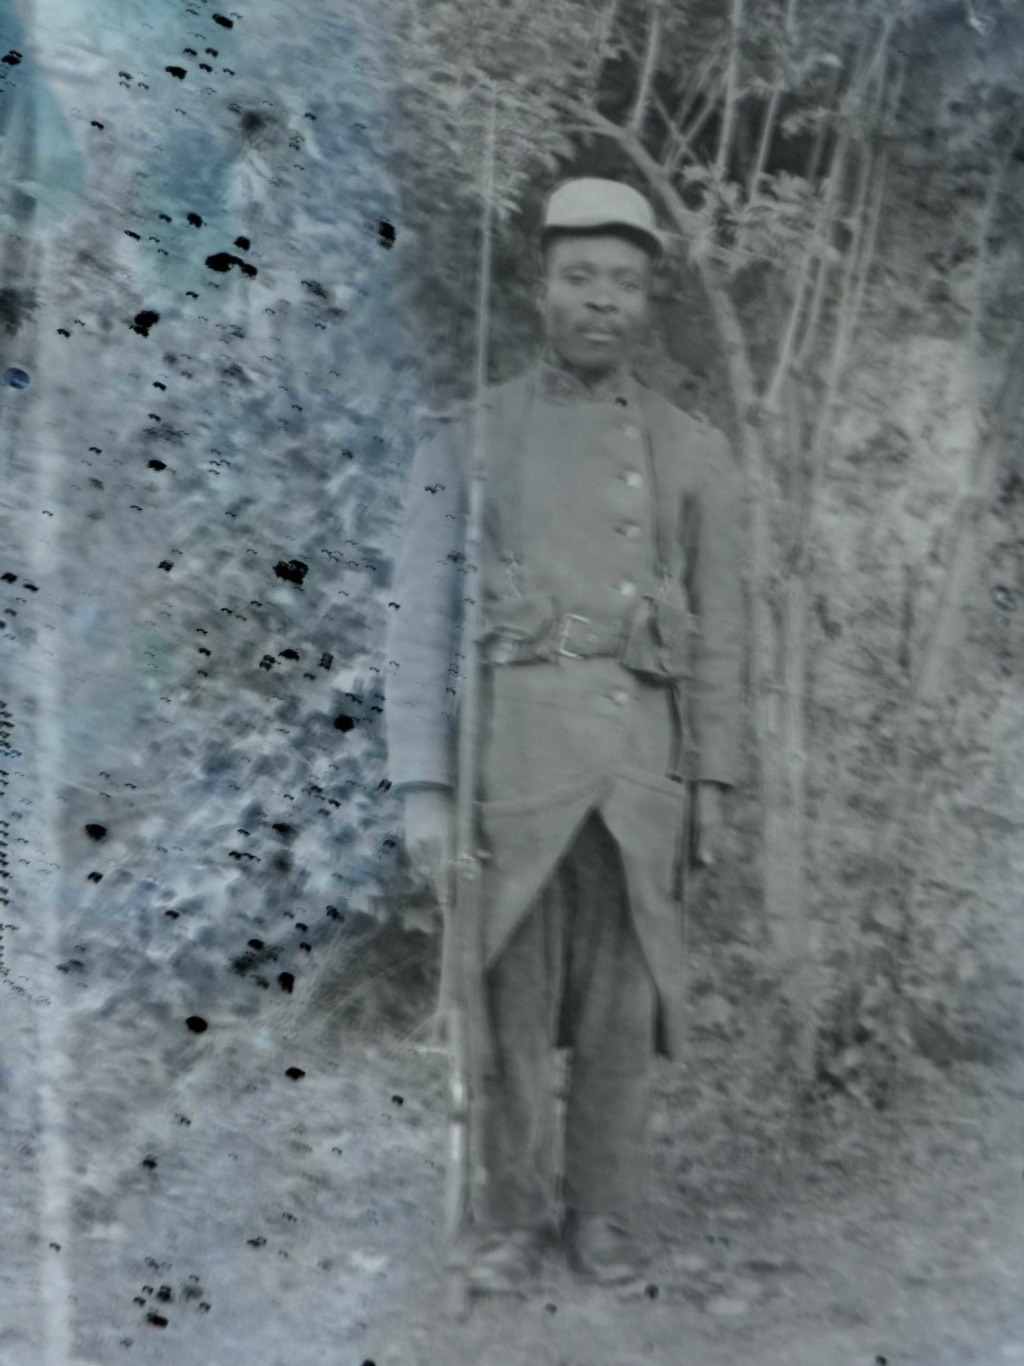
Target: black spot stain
{"type": "Point", "coordinates": [288, 653]}
{"type": "Point", "coordinates": [651, 1291]}
{"type": "Point", "coordinates": [155, 465]}
{"type": "Point", "coordinates": [150, 1162]}
{"type": "Point", "coordinates": [223, 20]}
{"type": "Point", "coordinates": [286, 981]}
{"type": "Point", "coordinates": [156, 1320]}
{"type": "Point", "coordinates": [344, 722]}
{"type": "Point", "coordinates": [95, 877]}
{"type": "Point", "coordinates": [196, 1024]}
{"type": "Point", "coordinates": [243, 243]}
{"type": "Point", "coordinates": [196, 222]}
{"type": "Point", "coordinates": [295, 1073]}
{"type": "Point", "coordinates": [165, 1294]}
{"type": "Point", "coordinates": [386, 234]}
{"type": "Point", "coordinates": [326, 661]}
{"type": "Point", "coordinates": [165, 564]}
{"type": "Point", "coordinates": [292, 570]}
{"type": "Point", "coordinates": [143, 321]}
{"type": "Point", "coordinates": [12, 58]}
{"type": "Point", "coordinates": [222, 261]}
{"type": "Point", "coordinates": [178, 72]}
{"type": "Point", "coordinates": [397, 1100]}
{"type": "Point", "coordinates": [95, 123]}
{"type": "Point", "coordinates": [95, 831]}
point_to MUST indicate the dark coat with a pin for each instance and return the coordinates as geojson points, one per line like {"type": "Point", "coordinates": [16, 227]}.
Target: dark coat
{"type": "Point", "coordinates": [572, 527]}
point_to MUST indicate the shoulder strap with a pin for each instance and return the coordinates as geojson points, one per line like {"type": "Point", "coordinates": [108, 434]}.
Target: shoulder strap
{"type": "Point", "coordinates": [665, 455]}
{"type": "Point", "coordinates": [509, 411]}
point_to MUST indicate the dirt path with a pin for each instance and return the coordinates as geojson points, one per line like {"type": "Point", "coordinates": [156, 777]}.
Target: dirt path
{"type": "Point", "coordinates": [280, 1222]}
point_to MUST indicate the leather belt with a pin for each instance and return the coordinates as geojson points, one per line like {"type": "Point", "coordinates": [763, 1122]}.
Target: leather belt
{"type": "Point", "coordinates": [571, 635]}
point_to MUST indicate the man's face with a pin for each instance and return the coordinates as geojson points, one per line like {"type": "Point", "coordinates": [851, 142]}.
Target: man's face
{"type": "Point", "coordinates": [594, 299]}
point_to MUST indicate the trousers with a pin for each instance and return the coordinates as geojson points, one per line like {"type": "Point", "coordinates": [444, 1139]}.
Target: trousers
{"type": "Point", "coordinates": [572, 976]}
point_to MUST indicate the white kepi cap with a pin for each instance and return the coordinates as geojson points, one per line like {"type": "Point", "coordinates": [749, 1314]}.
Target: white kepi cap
{"type": "Point", "coordinates": [590, 202]}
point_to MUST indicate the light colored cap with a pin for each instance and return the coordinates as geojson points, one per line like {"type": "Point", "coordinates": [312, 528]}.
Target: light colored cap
{"type": "Point", "coordinates": [590, 202]}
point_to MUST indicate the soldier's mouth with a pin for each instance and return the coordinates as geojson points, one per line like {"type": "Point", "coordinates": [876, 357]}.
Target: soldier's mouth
{"type": "Point", "coordinates": [600, 336]}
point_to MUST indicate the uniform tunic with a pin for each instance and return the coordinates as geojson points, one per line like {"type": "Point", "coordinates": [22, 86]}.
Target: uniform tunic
{"type": "Point", "coordinates": [565, 738]}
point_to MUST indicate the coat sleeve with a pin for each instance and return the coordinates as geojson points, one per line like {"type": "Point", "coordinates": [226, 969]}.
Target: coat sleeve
{"type": "Point", "coordinates": [422, 635]}
{"type": "Point", "coordinates": [715, 553]}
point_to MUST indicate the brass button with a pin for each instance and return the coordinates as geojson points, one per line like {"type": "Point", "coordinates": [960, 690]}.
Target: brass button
{"type": "Point", "coordinates": [627, 589]}
{"type": "Point", "coordinates": [620, 697]}
{"type": "Point", "coordinates": [630, 429]}
{"type": "Point", "coordinates": [630, 530]}
{"type": "Point", "coordinates": [634, 479]}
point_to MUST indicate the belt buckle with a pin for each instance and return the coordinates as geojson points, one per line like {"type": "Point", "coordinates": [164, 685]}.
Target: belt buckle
{"type": "Point", "coordinates": [563, 634]}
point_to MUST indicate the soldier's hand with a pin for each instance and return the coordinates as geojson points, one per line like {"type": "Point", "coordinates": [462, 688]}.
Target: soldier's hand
{"type": "Point", "coordinates": [430, 836]}
{"type": "Point", "coordinates": [709, 823]}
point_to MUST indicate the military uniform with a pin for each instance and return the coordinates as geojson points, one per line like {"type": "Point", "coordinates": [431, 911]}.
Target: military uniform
{"type": "Point", "coordinates": [613, 636]}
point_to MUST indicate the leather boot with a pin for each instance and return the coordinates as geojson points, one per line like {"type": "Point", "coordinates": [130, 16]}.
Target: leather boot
{"type": "Point", "coordinates": [505, 1263]}
{"type": "Point", "coordinates": [600, 1249]}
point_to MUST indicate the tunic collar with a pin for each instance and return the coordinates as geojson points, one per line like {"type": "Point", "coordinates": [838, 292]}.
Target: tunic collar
{"type": "Point", "coordinates": [556, 381]}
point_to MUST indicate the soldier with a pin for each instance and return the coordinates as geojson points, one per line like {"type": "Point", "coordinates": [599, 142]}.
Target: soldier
{"type": "Point", "coordinates": [611, 698]}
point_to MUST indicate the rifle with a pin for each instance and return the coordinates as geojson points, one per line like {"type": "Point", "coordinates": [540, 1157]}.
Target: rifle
{"type": "Point", "coordinates": [462, 948]}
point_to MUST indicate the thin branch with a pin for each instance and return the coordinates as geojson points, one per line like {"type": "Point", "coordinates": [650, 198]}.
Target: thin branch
{"type": "Point", "coordinates": [811, 255]}
{"type": "Point", "coordinates": [692, 95]}
{"type": "Point", "coordinates": [605, 28]}
{"type": "Point", "coordinates": [684, 140]}
{"type": "Point", "coordinates": [771, 113]}
{"type": "Point", "coordinates": [814, 256]}
{"type": "Point", "coordinates": [731, 88]}
{"type": "Point", "coordinates": [648, 70]}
